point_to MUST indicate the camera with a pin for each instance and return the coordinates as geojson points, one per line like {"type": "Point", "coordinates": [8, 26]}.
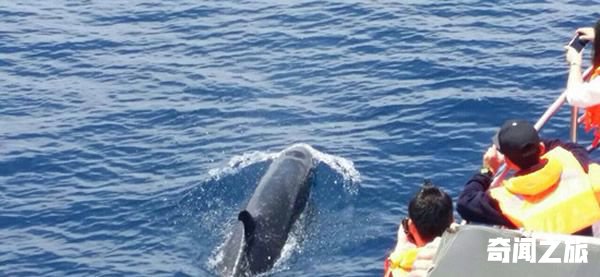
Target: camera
{"type": "Point", "coordinates": [577, 43]}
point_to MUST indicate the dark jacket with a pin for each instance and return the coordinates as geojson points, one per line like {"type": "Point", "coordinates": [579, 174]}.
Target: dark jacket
{"type": "Point", "coordinates": [476, 205]}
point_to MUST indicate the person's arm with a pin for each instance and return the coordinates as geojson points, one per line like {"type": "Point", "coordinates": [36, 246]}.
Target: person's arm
{"type": "Point", "coordinates": [474, 202]}
{"type": "Point", "coordinates": [580, 153]}
{"type": "Point", "coordinates": [579, 93]}
{"type": "Point", "coordinates": [402, 242]}
{"type": "Point", "coordinates": [476, 205]}
{"type": "Point", "coordinates": [576, 96]}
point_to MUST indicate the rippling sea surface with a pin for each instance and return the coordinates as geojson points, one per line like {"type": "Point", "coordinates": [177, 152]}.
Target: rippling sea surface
{"type": "Point", "coordinates": [131, 132]}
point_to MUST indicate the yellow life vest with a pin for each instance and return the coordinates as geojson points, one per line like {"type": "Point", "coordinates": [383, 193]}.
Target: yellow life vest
{"type": "Point", "coordinates": [401, 261]}
{"type": "Point", "coordinates": [558, 198]}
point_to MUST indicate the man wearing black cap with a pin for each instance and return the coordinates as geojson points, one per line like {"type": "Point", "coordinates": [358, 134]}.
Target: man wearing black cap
{"type": "Point", "coordinates": [550, 191]}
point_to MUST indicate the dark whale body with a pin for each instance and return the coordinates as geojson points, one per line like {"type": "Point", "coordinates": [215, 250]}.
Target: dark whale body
{"type": "Point", "coordinates": [263, 226]}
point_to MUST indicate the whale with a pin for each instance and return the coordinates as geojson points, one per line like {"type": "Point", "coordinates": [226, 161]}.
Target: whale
{"type": "Point", "coordinates": [263, 226]}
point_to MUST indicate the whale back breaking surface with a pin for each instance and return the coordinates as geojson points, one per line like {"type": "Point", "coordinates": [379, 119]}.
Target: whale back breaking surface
{"type": "Point", "coordinates": [264, 225]}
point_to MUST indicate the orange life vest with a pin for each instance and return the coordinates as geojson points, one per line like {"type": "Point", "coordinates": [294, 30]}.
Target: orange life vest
{"type": "Point", "coordinates": [591, 116]}
{"type": "Point", "coordinates": [558, 198]}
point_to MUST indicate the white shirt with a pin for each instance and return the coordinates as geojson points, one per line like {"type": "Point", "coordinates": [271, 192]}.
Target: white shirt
{"type": "Point", "coordinates": [585, 94]}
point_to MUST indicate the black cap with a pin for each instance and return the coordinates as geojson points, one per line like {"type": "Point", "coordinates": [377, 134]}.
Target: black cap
{"type": "Point", "coordinates": [519, 141]}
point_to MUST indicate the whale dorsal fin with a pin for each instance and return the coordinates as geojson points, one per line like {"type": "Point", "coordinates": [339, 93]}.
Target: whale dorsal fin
{"type": "Point", "coordinates": [249, 224]}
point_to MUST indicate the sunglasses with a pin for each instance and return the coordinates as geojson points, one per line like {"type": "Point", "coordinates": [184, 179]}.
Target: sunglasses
{"type": "Point", "coordinates": [409, 236]}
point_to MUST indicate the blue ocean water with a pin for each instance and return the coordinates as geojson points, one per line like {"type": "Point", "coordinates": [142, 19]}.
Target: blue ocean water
{"type": "Point", "coordinates": [131, 132]}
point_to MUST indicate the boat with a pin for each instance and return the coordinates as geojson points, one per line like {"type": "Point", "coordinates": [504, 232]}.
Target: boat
{"type": "Point", "coordinates": [476, 250]}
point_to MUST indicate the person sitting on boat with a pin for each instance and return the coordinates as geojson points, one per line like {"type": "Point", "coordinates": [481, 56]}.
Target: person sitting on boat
{"type": "Point", "coordinates": [550, 191]}
{"type": "Point", "coordinates": [584, 91]}
{"type": "Point", "coordinates": [430, 213]}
